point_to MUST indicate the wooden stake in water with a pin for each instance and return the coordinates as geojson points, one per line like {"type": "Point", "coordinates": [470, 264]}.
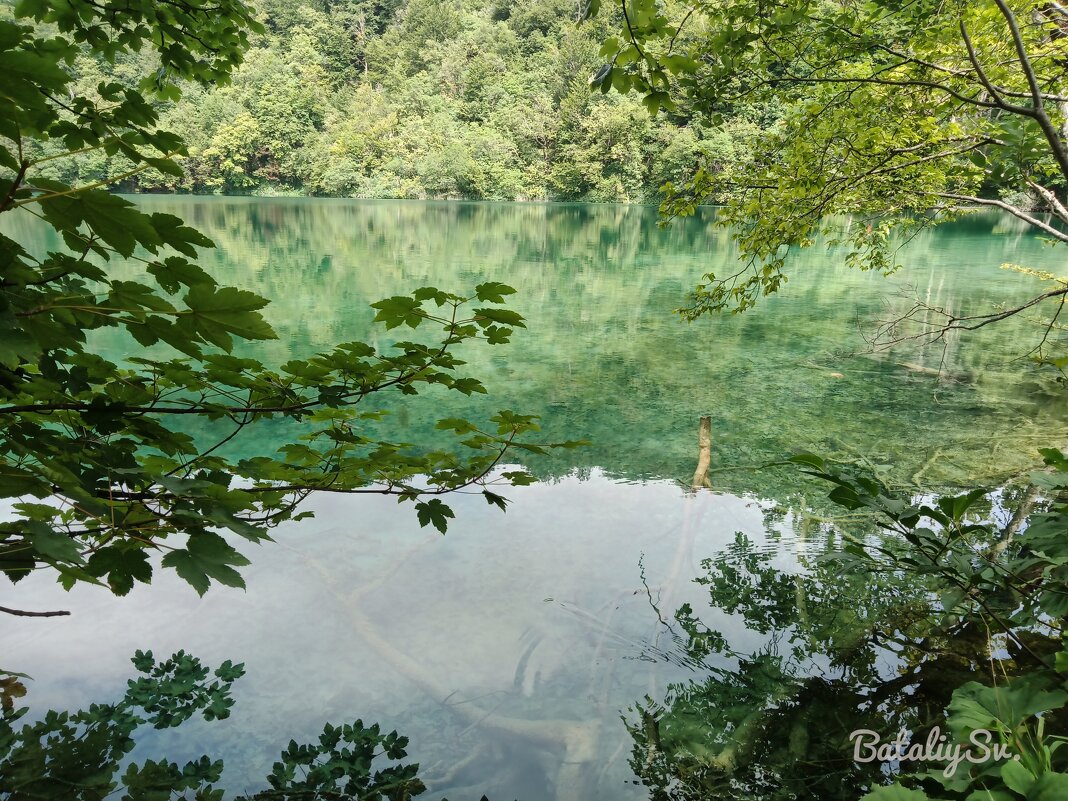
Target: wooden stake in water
{"type": "Point", "coordinates": [704, 454]}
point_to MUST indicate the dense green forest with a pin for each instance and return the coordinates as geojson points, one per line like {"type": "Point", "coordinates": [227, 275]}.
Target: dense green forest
{"type": "Point", "coordinates": [478, 99]}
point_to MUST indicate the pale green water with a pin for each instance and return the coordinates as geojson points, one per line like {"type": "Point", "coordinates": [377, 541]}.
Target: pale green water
{"type": "Point", "coordinates": [520, 638]}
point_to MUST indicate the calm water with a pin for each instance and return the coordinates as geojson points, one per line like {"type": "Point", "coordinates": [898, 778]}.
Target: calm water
{"type": "Point", "coordinates": [508, 649]}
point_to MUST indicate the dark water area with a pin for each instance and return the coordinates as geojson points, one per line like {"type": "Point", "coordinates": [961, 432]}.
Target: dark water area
{"type": "Point", "coordinates": [509, 649]}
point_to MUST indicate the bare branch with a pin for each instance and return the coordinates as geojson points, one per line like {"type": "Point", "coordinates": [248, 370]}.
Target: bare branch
{"type": "Point", "coordinates": [24, 613]}
{"type": "Point", "coordinates": [1011, 209]}
{"type": "Point", "coordinates": [1048, 195]}
{"type": "Point", "coordinates": [887, 335]}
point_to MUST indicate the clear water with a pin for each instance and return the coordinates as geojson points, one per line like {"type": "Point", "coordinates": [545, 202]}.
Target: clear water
{"type": "Point", "coordinates": [508, 649]}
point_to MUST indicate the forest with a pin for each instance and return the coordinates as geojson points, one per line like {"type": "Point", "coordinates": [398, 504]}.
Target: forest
{"type": "Point", "coordinates": [420, 99]}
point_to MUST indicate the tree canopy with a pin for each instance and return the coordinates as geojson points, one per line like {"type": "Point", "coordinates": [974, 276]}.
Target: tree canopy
{"type": "Point", "coordinates": [891, 116]}
{"type": "Point", "coordinates": [480, 99]}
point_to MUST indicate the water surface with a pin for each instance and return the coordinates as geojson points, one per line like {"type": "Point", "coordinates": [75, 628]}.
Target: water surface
{"type": "Point", "coordinates": [508, 649]}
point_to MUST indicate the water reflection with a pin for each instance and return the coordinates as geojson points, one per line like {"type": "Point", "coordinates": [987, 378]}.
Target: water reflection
{"type": "Point", "coordinates": [507, 650]}
{"type": "Point", "coordinates": [515, 638]}
{"type": "Point", "coordinates": [604, 360]}
{"type": "Point", "coordinates": [857, 651]}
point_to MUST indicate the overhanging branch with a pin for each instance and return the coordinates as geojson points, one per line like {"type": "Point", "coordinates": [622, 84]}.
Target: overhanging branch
{"type": "Point", "coordinates": [1015, 211]}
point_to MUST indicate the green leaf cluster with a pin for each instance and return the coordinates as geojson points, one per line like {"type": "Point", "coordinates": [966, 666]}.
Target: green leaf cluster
{"type": "Point", "coordinates": [884, 118]}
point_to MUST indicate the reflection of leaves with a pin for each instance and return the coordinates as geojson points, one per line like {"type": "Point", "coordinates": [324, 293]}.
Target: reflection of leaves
{"type": "Point", "coordinates": [702, 640]}
{"type": "Point", "coordinates": [746, 726]}
{"type": "Point", "coordinates": [338, 766]}
{"type": "Point", "coordinates": [742, 580]}
{"type": "Point", "coordinates": [77, 755]}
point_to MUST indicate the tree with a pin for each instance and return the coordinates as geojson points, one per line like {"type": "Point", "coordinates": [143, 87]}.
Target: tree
{"type": "Point", "coordinates": [104, 461]}
{"type": "Point", "coordinates": [894, 115]}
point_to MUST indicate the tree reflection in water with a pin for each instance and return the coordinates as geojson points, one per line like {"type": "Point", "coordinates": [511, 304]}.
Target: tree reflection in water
{"type": "Point", "coordinates": [886, 630]}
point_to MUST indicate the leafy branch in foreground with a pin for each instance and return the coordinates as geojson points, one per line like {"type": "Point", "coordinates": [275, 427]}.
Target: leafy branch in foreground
{"type": "Point", "coordinates": [895, 116]}
{"type": "Point", "coordinates": [78, 756]}
{"type": "Point", "coordinates": [107, 462]}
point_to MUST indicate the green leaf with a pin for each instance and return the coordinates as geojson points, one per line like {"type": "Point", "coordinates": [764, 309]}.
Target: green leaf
{"type": "Point", "coordinates": [504, 316]}
{"type": "Point", "coordinates": [1062, 660]}
{"type": "Point", "coordinates": [173, 232]}
{"type": "Point", "coordinates": [115, 220]}
{"type": "Point", "coordinates": [519, 478]}
{"type": "Point", "coordinates": [54, 545]}
{"type": "Point", "coordinates": [207, 556]}
{"type": "Point", "coordinates": [955, 507]}
{"type": "Point", "coordinates": [895, 792]}
{"type": "Point", "coordinates": [216, 314]}
{"type": "Point", "coordinates": [468, 385]}
{"type": "Point", "coordinates": [809, 460]}
{"type": "Point", "coordinates": [434, 511]}
{"type": "Point", "coordinates": [493, 292]}
{"type": "Point", "coordinates": [399, 310]}
{"type": "Point", "coordinates": [989, 795]}
{"type": "Point", "coordinates": [497, 335]}
{"type": "Point", "coordinates": [1049, 787]}
{"type": "Point", "coordinates": [455, 424]}
{"type": "Point", "coordinates": [431, 293]}
{"type": "Point", "coordinates": [1055, 458]}
{"type": "Point", "coordinates": [847, 497]}
{"type": "Point", "coordinates": [602, 78]}
{"type": "Point", "coordinates": [122, 566]}
{"type": "Point", "coordinates": [16, 347]}
{"type": "Point", "coordinates": [677, 64]}
{"type": "Point", "coordinates": [174, 272]}
{"type": "Point", "coordinates": [1016, 777]}
{"type": "Point", "coordinates": [976, 706]}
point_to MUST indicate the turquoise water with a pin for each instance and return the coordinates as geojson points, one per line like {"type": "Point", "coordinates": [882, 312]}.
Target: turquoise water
{"type": "Point", "coordinates": [508, 649]}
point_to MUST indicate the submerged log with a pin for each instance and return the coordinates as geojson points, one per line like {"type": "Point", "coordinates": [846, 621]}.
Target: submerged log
{"type": "Point", "coordinates": [939, 373]}
{"type": "Point", "coordinates": [704, 454]}
{"type": "Point", "coordinates": [578, 740]}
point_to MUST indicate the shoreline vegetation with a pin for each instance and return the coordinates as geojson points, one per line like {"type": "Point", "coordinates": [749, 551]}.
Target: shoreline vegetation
{"type": "Point", "coordinates": [412, 99]}
{"type": "Point", "coordinates": [649, 203]}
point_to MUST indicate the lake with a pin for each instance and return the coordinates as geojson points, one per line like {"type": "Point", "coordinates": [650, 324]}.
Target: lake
{"type": "Point", "coordinates": [508, 650]}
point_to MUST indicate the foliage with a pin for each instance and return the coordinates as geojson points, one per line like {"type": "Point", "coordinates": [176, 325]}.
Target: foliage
{"type": "Point", "coordinates": [970, 612]}
{"type": "Point", "coordinates": [893, 115]}
{"type": "Point", "coordinates": [1016, 582]}
{"type": "Point", "coordinates": [78, 756]}
{"type": "Point", "coordinates": [480, 99]}
{"type": "Point", "coordinates": [104, 460]}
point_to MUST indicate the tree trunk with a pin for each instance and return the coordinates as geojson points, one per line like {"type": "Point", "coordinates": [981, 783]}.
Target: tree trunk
{"type": "Point", "coordinates": [704, 454]}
